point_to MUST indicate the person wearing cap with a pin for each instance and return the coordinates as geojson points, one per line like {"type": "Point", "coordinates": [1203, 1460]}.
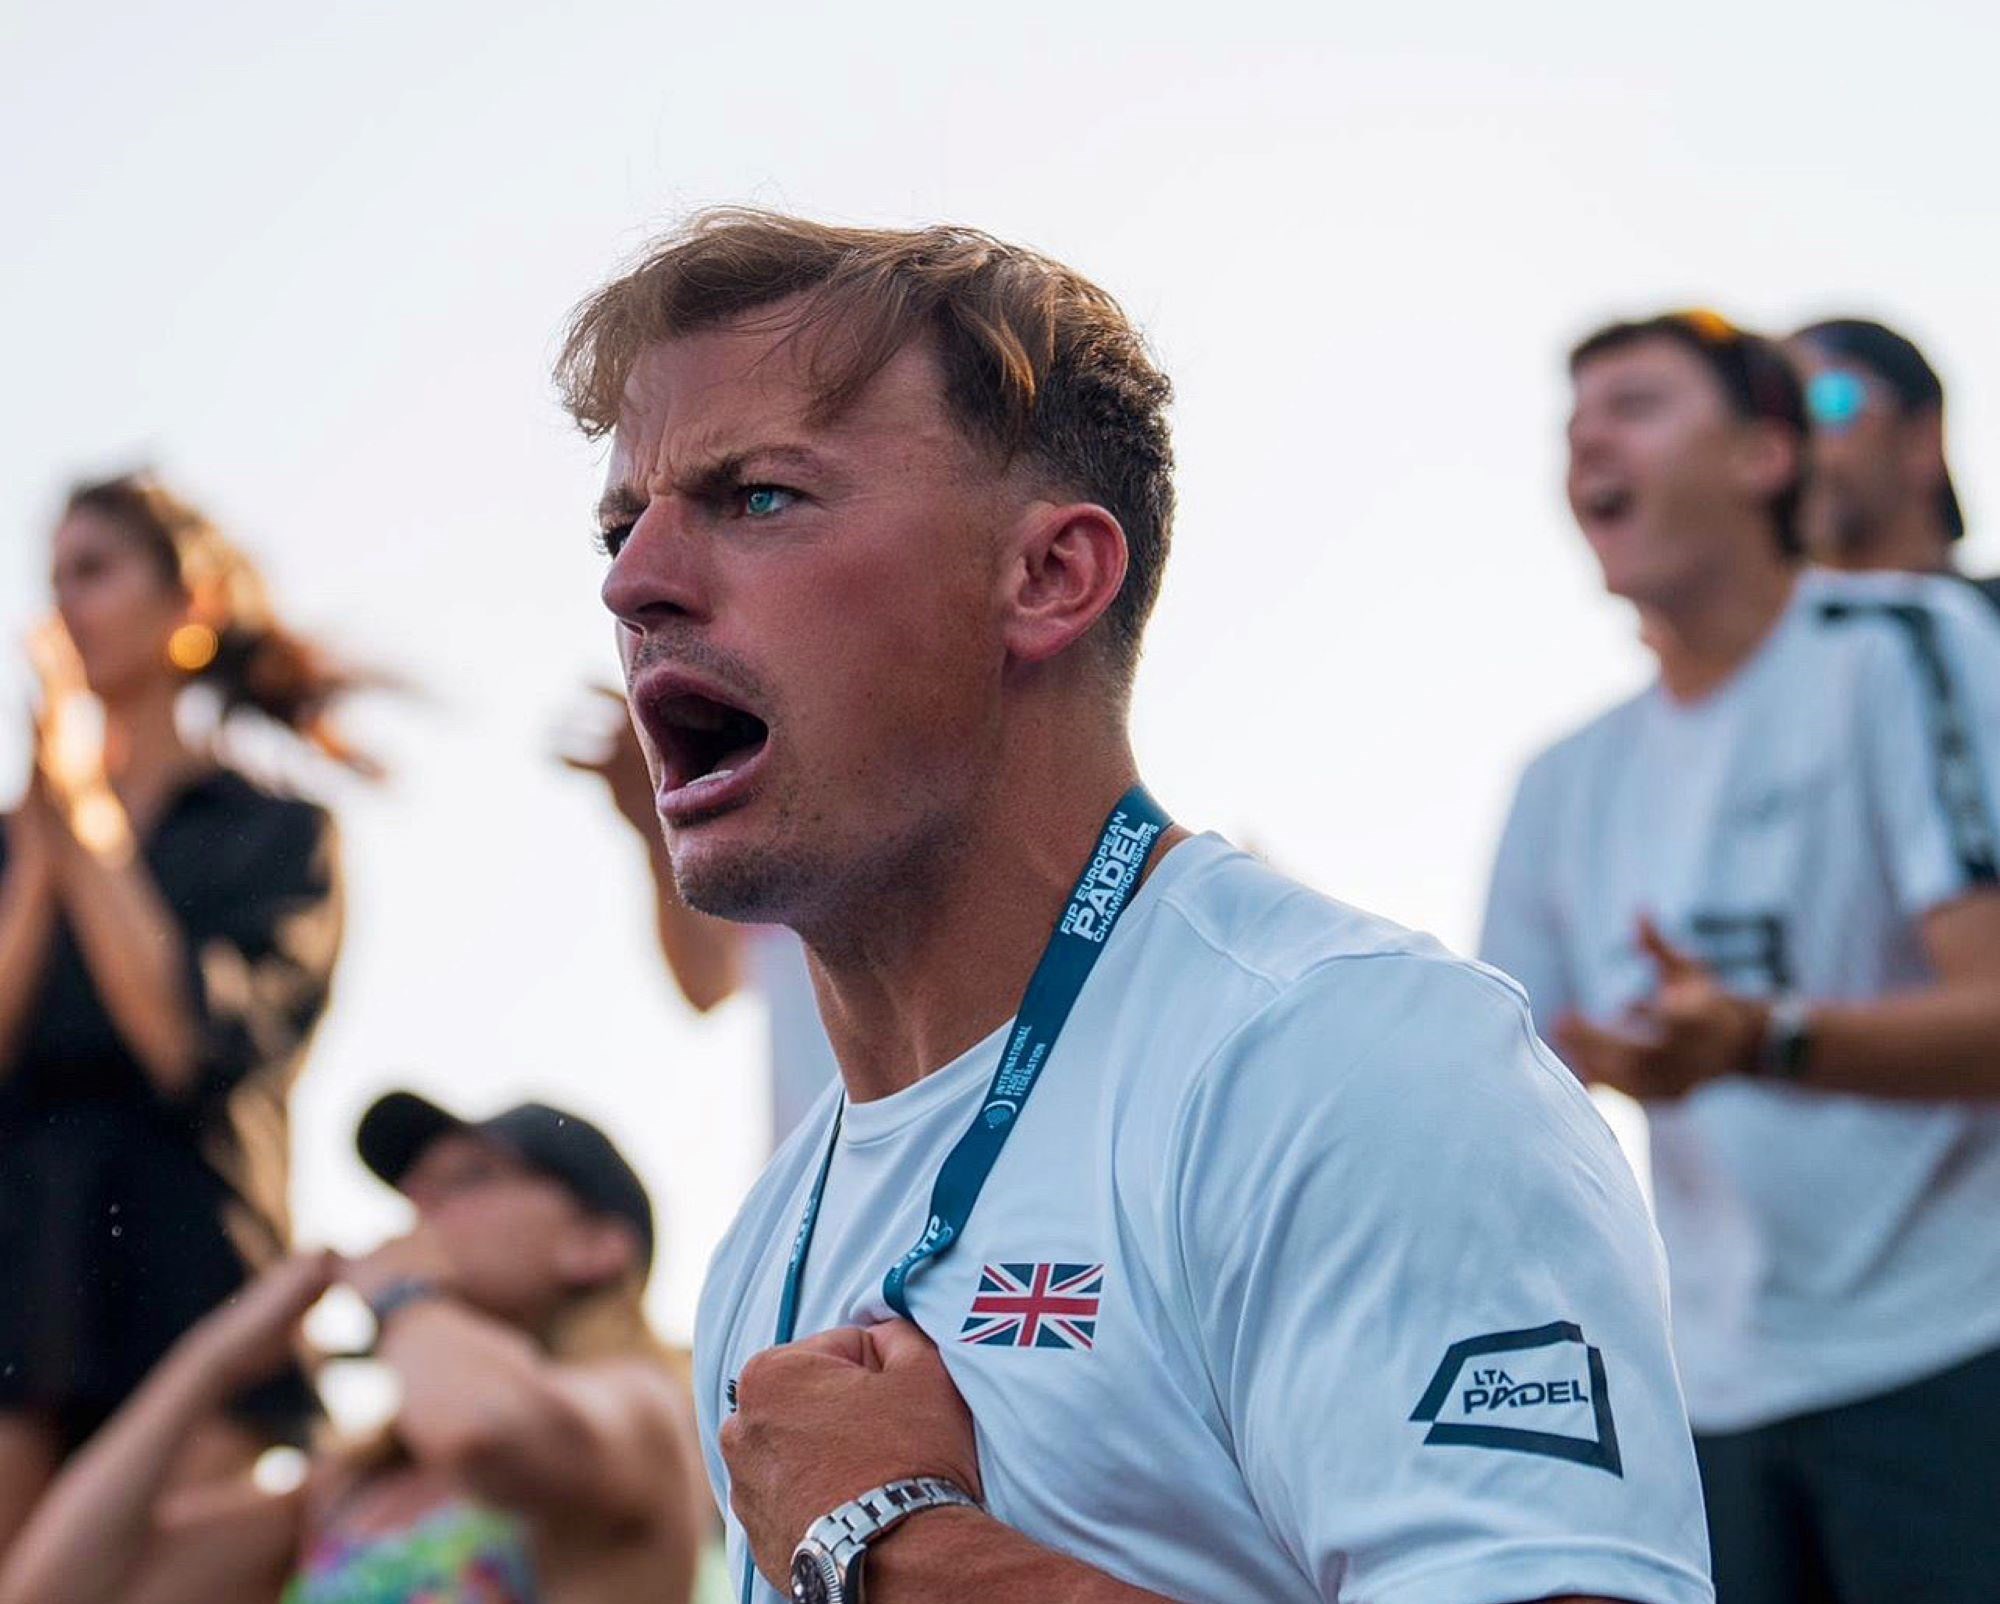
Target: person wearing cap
{"type": "Point", "coordinates": [1880, 493]}
{"type": "Point", "coordinates": [1762, 896]}
{"type": "Point", "coordinates": [542, 1449]}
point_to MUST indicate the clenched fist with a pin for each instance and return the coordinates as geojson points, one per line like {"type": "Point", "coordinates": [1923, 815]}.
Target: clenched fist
{"type": "Point", "coordinates": [828, 1418]}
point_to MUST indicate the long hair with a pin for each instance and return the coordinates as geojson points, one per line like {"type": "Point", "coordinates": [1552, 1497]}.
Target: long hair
{"type": "Point", "coordinates": [237, 646]}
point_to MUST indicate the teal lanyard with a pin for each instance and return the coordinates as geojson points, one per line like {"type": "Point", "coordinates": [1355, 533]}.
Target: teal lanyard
{"type": "Point", "coordinates": [1101, 895]}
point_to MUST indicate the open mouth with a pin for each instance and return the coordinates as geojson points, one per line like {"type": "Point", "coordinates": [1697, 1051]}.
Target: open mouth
{"type": "Point", "coordinates": [702, 741]}
{"type": "Point", "coordinates": [1606, 504]}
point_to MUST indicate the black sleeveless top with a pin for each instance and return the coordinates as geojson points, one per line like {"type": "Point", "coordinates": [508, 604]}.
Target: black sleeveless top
{"type": "Point", "coordinates": [126, 1214]}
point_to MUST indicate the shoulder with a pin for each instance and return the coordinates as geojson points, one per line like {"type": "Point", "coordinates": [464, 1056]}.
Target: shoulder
{"type": "Point", "coordinates": [1585, 749]}
{"type": "Point", "coordinates": [1932, 630]}
{"type": "Point", "coordinates": [1346, 1010]}
{"type": "Point", "coordinates": [1228, 911]}
{"type": "Point", "coordinates": [258, 819]}
{"type": "Point", "coordinates": [1386, 1065]}
{"type": "Point", "coordinates": [1834, 600]}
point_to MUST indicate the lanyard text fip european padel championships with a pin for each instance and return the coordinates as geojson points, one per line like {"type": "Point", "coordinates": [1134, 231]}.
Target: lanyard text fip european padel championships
{"type": "Point", "coordinates": [1106, 886]}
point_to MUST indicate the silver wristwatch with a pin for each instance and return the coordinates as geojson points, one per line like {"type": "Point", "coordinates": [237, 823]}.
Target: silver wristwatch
{"type": "Point", "coordinates": [826, 1566]}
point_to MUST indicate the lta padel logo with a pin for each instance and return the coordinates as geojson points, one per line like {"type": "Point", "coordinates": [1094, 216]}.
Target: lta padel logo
{"type": "Point", "coordinates": [1534, 1392]}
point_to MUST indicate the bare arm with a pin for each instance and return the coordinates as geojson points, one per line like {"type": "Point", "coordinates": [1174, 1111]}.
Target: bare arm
{"type": "Point", "coordinates": [704, 954]}
{"type": "Point", "coordinates": [27, 919]}
{"type": "Point", "coordinates": [529, 1433]}
{"type": "Point", "coordinates": [965, 1553]}
{"type": "Point", "coordinates": [136, 953]}
{"type": "Point", "coordinates": [102, 1535]}
{"type": "Point", "coordinates": [1942, 1042]}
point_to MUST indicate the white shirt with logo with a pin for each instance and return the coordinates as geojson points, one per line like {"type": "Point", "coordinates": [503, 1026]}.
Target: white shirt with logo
{"type": "Point", "coordinates": [1307, 1274]}
{"type": "Point", "coordinates": [1792, 829]}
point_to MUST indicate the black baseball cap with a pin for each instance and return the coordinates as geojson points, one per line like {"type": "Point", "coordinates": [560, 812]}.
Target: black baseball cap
{"type": "Point", "coordinates": [399, 1126]}
{"type": "Point", "coordinates": [1895, 360]}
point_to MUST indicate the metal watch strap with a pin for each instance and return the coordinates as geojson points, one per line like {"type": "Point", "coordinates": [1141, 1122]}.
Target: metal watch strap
{"type": "Point", "coordinates": [845, 1533]}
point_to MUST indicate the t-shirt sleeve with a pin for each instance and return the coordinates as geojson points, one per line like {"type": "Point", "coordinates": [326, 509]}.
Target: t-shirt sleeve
{"type": "Point", "coordinates": [1431, 1303]}
{"type": "Point", "coordinates": [1929, 707]}
{"type": "Point", "coordinates": [1523, 934]}
{"type": "Point", "coordinates": [261, 954]}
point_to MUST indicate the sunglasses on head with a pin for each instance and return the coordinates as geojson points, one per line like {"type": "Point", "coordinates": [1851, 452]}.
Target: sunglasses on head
{"type": "Point", "coordinates": [1836, 399]}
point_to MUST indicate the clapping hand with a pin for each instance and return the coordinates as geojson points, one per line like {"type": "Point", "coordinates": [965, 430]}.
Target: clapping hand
{"type": "Point", "coordinates": [1689, 1031]}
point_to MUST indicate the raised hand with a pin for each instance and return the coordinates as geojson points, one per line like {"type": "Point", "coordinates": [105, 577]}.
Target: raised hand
{"type": "Point", "coordinates": [606, 745]}
{"type": "Point", "coordinates": [256, 1332]}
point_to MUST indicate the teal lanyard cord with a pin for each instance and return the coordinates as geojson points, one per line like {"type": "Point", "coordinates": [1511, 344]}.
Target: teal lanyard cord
{"type": "Point", "coordinates": [1101, 895]}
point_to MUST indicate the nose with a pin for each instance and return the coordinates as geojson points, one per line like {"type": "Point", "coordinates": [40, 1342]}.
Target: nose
{"type": "Point", "coordinates": [1589, 437]}
{"type": "Point", "coordinates": [660, 573]}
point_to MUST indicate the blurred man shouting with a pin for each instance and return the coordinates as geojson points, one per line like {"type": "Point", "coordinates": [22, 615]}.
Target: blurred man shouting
{"type": "Point", "coordinates": [1761, 895]}
{"type": "Point", "coordinates": [1272, 1256]}
{"type": "Point", "coordinates": [1880, 493]}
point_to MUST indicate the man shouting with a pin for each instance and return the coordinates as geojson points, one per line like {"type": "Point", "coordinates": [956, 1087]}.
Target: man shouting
{"type": "Point", "coordinates": [1175, 1232]}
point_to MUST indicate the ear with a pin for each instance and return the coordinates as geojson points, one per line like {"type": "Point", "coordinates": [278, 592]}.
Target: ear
{"type": "Point", "coordinates": [1769, 457]}
{"type": "Point", "coordinates": [1920, 449]}
{"type": "Point", "coordinates": [595, 1252]}
{"type": "Point", "coordinates": [1065, 569]}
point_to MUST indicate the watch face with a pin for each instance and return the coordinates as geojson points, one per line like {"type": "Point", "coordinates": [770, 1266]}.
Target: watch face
{"type": "Point", "coordinates": [814, 1579]}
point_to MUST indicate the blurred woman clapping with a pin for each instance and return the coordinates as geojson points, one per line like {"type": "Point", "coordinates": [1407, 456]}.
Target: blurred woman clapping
{"type": "Point", "coordinates": [168, 931]}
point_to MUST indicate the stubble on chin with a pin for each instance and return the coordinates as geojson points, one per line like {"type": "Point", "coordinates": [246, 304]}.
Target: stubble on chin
{"type": "Point", "coordinates": [836, 897]}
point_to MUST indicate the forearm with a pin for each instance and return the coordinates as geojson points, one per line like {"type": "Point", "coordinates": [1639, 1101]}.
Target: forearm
{"type": "Point", "coordinates": [703, 952]}
{"type": "Point", "coordinates": [137, 956]}
{"type": "Point", "coordinates": [964, 1553]}
{"type": "Point", "coordinates": [1941, 1043]}
{"type": "Point", "coordinates": [92, 1528]}
{"type": "Point", "coordinates": [479, 1401]}
{"type": "Point", "coordinates": [27, 921]}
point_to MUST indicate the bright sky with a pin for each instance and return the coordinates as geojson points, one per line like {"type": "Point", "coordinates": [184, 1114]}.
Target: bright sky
{"type": "Point", "coordinates": [312, 263]}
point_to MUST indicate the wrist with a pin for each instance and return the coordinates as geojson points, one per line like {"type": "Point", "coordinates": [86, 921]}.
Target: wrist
{"type": "Point", "coordinates": [921, 1557]}
{"type": "Point", "coordinates": [834, 1562]}
{"type": "Point", "coordinates": [1784, 1043]}
{"type": "Point", "coordinates": [398, 1295]}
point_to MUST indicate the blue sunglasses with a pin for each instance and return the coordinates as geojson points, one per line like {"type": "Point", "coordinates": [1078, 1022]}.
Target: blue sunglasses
{"type": "Point", "coordinates": [1836, 399]}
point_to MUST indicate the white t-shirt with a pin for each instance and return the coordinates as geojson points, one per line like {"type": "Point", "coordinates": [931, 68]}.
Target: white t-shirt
{"type": "Point", "coordinates": [802, 1061]}
{"type": "Point", "coordinates": [1792, 828]}
{"type": "Point", "coordinates": [1308, 1274]}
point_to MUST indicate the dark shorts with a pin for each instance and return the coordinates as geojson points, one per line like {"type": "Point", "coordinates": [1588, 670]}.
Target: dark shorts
{"type": "Point", "coordinates": [1895, 1498]}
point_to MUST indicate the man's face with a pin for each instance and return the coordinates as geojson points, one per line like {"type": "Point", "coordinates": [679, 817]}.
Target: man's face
{"type": "Point", "coordinates": [1861, 458]}
{"type": "Point", "coordinates": [809, 616]}
{"type": "Point", "coordinates": [1659, 479]}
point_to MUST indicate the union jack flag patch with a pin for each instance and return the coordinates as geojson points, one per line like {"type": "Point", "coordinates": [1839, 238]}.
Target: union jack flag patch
{"type": "Point", "coordinates": [1035, 1306]}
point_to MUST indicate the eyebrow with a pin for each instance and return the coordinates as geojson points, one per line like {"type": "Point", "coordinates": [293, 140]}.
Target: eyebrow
{"type": "Point", "coordinates": [626, 504]}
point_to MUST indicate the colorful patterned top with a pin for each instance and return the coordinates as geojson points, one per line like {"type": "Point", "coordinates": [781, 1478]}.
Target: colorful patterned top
{"type": "Point", "coordinates": [458, 1553]}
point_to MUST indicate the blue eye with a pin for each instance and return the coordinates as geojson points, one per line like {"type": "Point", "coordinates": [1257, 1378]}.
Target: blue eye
{"type": "Point", "coordinates": [765, 501]}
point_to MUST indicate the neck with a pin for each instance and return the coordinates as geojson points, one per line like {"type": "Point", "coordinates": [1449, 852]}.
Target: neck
{"type": "Point", "coordinates": [1702, 639]}
{"type": "Point", "coordinates": [931, 969]}
{"type": "Point", "coordinates": [143, 747]}
{"type": "Point", "coordinates": [1914, 542]}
